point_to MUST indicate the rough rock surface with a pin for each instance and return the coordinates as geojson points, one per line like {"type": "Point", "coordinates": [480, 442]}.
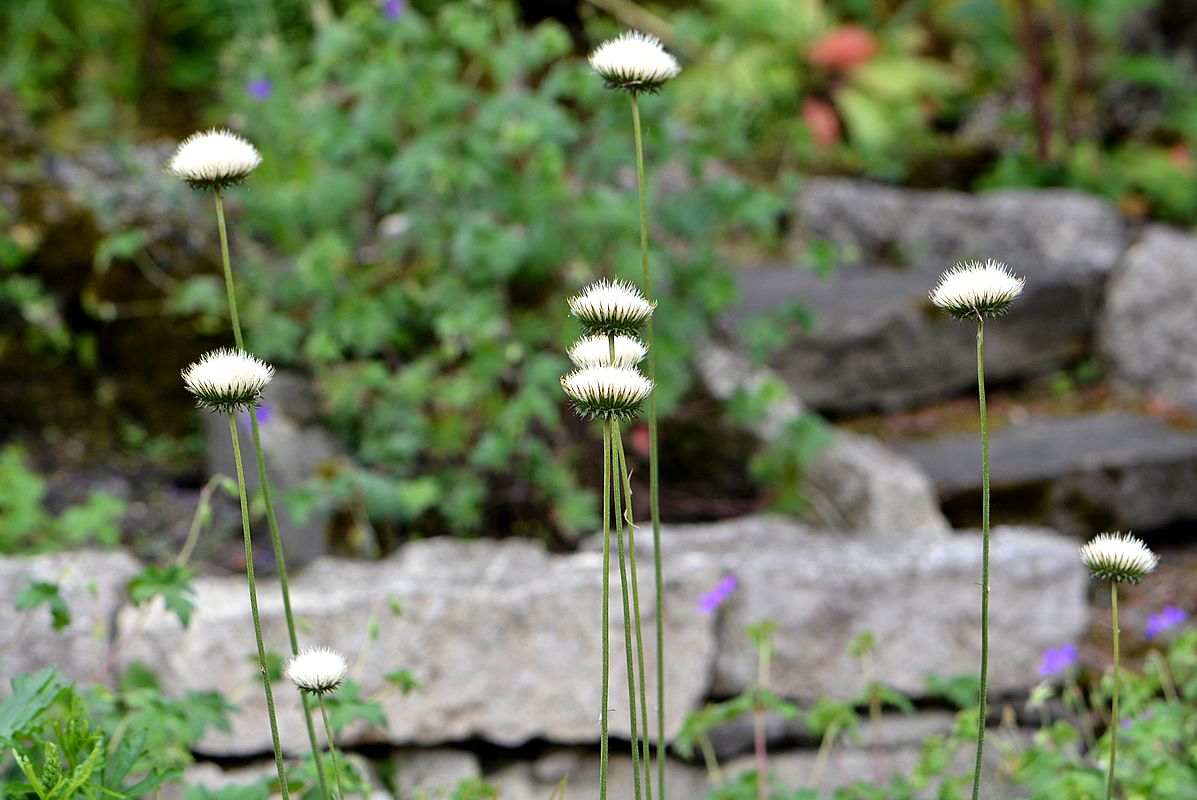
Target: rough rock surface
{"type": "Point", "coordinates": [436, 772]}
{"type": "Point", "coordinates": [917, 595]}
{"type": "Point", "coordinates": [93, 585]}
{"type": "Point", "coordinates": [538, 779]}
{"type": "Point", "coordinates": [877, 343]}
{"type": "Point", "coordinates": [1147, 334]}
{"type": "Point", "coordinates": [501, 634]}
{"type": "Point", "coordinates": [854, 483]}
{"type": "Point", "coordinates": [1080, 475]}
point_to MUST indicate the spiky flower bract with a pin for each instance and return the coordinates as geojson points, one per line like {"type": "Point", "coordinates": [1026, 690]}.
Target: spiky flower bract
{"type": "Point", "coordinates": [595, 351]}
{"type": "Point", "coordinates": [1118, 557]}
{"type": "Point", "coordinates": [611, 308]}
{"type": "Point", "coordinates": [973, 289]}
{"type": "Point", "coordinates": [610, 393]}
{"type": "Point", "coordinates": [317, 670]}
{"type": "Point", "coordinates": [228, 380]}
{"type": "Point", "coordinates": [213, 159]}
{"type": "Point", "coordinates": [634, 62]}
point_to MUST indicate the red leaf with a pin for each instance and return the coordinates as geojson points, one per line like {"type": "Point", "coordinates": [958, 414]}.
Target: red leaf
{"type": "Point", "coordinates": [843, 48]}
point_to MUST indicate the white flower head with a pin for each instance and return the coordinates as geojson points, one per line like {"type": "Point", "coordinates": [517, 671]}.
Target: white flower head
{"type": "Point", "coordinates": [595, 351]}
{"type": "Point", "coordinates": [213, 159]}
{"type": "Point", "coordinates": [228, 380]}
{"type": "Point", "coordinates": [634, 62]}
{"type": "Point", "coordinates": [974, 289]}
{"type": "Point", "coordinates": [611, 308]}
{"type": "Point", "coordinates": [317, 670]}
{"type": "Point", "coordinates": [610, 393]}
{"type": "Point", "coordinates": [1118, 557]}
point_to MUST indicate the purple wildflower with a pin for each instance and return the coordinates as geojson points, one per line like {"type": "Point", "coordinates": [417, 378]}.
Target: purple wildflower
{"type": "Point", "coordinates": [1143, 716]}
{"type": "Point", "coordinates": [1056, 660]}
{"type": "Point", "coordinates": [263, 412]}
{"type": "Point", "coordinates": [717, 596]}
{"type": "Point", "coordinates": [393, 9]}
{"type": "Point", "coordinates": [259, 88]}
{"type": "Point", "coordinates": [1170, 617]}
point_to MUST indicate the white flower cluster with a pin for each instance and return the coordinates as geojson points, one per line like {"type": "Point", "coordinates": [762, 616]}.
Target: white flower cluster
{"type": "Point", "coordinates": [611, 308]}
{"type": "Point", "coordinates": [974, 289]}
{"type": "Point", "coordinates": [228, 380]}
{"type": "Point", "coordinates": [317, 670]}
{"type": "Point", "coordinates": [634, 62]}
{"type": "Point", "coordinates": [213, 159]}
{"type": "Point", "coordinates": [1118, 557]}
{"type": "Point", "coordinates": [606, 384]}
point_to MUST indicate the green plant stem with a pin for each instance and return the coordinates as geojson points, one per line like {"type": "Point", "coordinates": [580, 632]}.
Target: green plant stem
{"type": "Point", "coordinates": [606, 624]}
{"type": "Point", "coordinates": [824, 753]}
{"type": "Point", "coordinates": [764, 657]}
{"type": "Point", "coordinates": [983, 710]}
{"type": "Point", "coordinates": [332, 750]}
{"type": "Point", "coordinates": [627, 627]}
{"type": "Point", "coordinates": [1114, 709]}
{"type": "Point", "coordinates": [710, 759]}
{"type": "Point", "coordinates": [654, 495]}
{"type": "Point", "coordinates": [253, 607]}
{"type": "Point", "coordinates": [264, 481]}
{"type": "Point", "coordinates": [646, 747]}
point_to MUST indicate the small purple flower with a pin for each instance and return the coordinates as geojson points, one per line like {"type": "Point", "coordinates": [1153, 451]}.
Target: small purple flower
{"type": "Point", "coordinates": [259, 88]}
{"type": "Point", "coordinates": [263, 412]}
{"type": "Point", "coordinates": [393, 9]}
{"type": "Point", "coordinates": [1126, 723]}
{"type": "Point", "coordinates": [1056, 660]}
{"type": "Point", "coordinates": [1170, 617]}
{"type": "Point", "coordinates": [717, 596]}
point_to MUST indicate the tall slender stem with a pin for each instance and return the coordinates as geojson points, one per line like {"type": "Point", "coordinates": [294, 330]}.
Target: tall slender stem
{"type": "Point", "coordinates": [654, 495]}
{"type": "Point", "coordinates": [264, 481]}
{"type": "Point", "coordinates": [645, 746]}
{"type": "Point", "coordinates": [606, 624]}
{"type": "Point", "coordinates": [627, 630]}
{"type": "Point", "coordinates": [253, 607]}
{"type": "Point", "coordinates": [332, 750]}
{"type": "Point", "coordinates": [1114, 711]}
{"type": "Point", "coordinates": [983, 710]}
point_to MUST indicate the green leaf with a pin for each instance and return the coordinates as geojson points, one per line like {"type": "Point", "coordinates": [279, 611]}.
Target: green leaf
{"type": "Point", "coordinates": [32, 696]}
{"type": "Point", "coordinates": [35, 594]}
{"type": "Point", "coordinates": [346, 706]}
{"type": "Point", "coordinates": [405, 680]}
{"type": "Point", "coordinates": [173, 583]}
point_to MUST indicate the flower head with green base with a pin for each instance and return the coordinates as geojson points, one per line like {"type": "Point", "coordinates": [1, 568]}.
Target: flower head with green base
{"type": "Point", "coordinates": [225, 380]}
{"type": "Point", "coordinates": [973, 289]}
{"type": "Point", "coordinates": [213, 159]}
{"type": "Point", "coordinates": [1118, 558]}
{"type": "Point", "coordinates": [634, 62]}
{"type": "Point", "coordinates": [595, 351]}
{"type": "Point", "coordinates": [608, 393]}
{"type": "Point", "coordinates": [611, 308]}
{"type": "Point", "coordinates": [317, 670]}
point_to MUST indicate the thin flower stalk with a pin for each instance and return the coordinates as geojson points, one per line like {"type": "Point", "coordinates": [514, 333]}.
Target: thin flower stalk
{"type": "Point", "coordinates": [604, 711]}
{"type": "Point", "coordinates": [1114, 722]}
{"type": "Point", "coordinates": [624, 477]}
{"type": "Point", "coordinates": [253, 607]}
{"type": "Point", "coordinates": [627, 628]}
{"type": "Point", "coordinates": [654, 494]}
{"type": "Point", "coordinates": [983, 700]}
{"type": "Point", "coordinates": [332, 750]}
{"type": "Point", "coordinates": [264, 482]}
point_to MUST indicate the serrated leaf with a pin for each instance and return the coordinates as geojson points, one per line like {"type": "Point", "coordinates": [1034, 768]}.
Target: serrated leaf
{"type": "Point", "coordinates": [32, 696]}
{"type": "Point", "coordinates": [35, 594]}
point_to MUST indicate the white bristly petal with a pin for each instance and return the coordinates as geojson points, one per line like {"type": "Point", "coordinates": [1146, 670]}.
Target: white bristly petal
{"type": "Point", "coordinates": [228, 380]}
{"type": "Point", "coordinates": [595, 351]}
{"type": "Point", "coordinates": [611, 307]}
{"type": "Point", "coordinates": [213, 159]}
{"type": "Point", "coordinates": [1119, 557]}
{"type": "Point", "coordinates": [634, 62]}
{"type": "Point", "coordinates": [317, 670]}
{"type": "Point", "coordinates": [607, 392]}
{"type": "Point", "coordinates": [976, 289]}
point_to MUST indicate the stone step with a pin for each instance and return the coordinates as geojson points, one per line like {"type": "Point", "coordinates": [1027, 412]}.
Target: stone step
{"type": "Point", "coordinates": [1078, 474]}
{"type": "Point", "coordinates": [876, 343]}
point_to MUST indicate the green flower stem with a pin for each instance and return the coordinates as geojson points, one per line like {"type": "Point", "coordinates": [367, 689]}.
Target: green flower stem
{"type": "Point", "coordinates": [983, 710]}
{"type": "Point", "coordinates": [332, 750]}
{"type": "Point", "coordinates": [253, 607]}
{"type": "Point", "coordinates": [654, 495]}
{"type": "Point", "coordinates": [606, 623]}
{"type": "Point", "coordinates": [646, 748]}
{"type": "Point", "coordinates": [264, 481]}
{"type": "Point", "coordinates": [1114, 710]}
{"type": "Point", "coordinates": [627, 632]}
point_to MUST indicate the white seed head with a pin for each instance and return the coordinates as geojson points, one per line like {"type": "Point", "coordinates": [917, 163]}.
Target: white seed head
{"type": "Point", "coordinates": [317, 670]}
{"type": "Point", "coordinates": [634, 62]}
{"type": "Point", "coordinates": [213, 159]}
{"type": "Point", "coordinates": [611, 307]}
{"type": "Point", "coordinates": [606, 392]}
{"type": "Point", "coordinates": [228, 380]}
{"type": "Point", "coordinates": [974, 289]}
{"type": "Point", "coordinates": [595, 351]}
{"type": "Point", "coordinates": [1118, 557]}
